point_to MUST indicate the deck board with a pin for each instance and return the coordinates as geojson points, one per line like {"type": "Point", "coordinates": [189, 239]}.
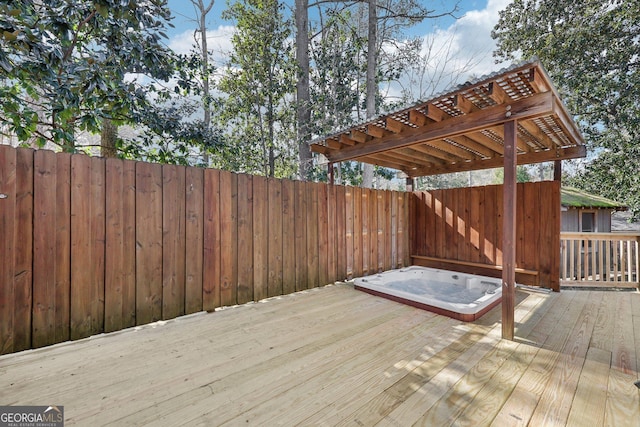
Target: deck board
{"type": "Point", "coordinates": [336, 356]}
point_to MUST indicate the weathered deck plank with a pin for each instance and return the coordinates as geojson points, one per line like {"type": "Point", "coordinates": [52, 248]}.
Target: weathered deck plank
{"type": "Point", "coordinates": [335, 356]}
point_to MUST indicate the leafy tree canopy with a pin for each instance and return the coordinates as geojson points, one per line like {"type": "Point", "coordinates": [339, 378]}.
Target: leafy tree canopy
{"type": "Point", "coordinates": [591, 49]}
{"type": "Point", "coordinates": [258, 85]}
{"type": "Point", "coordinates": [65, 65]}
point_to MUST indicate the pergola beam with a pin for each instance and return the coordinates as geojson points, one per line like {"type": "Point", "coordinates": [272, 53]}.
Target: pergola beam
{"type": "Point", "coordinates": [496, 162]}
{"type": "Point", "coordinates": [534, 106]}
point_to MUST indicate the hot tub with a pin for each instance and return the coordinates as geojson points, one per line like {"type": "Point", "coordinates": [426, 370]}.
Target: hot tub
{"type": "Point", "coordinates": [462, 296]}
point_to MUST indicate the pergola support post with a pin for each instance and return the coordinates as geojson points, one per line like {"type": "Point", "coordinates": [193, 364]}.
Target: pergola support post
{"type": "Point", "coordinates": [410, 184]}
{"type": "Point", "coordinates": [509, 230]}
{"type": "Point", "coordinates": [557, 170]}
{"type": "Point", "coordinates": [330, 172]}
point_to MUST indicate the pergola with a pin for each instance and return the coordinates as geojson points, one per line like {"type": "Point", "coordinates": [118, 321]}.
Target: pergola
{"type": "Point", "coordinates": [509, 118]}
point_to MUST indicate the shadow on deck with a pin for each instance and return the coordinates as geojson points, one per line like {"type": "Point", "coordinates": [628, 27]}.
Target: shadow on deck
{"type": "Point", "coordinates": [336, 356]}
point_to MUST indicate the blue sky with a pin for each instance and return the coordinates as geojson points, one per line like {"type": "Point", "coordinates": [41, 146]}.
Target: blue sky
{"type": "Point", "coordinates": [467, 40]}
{"type": "Point", "coordinates": [183, 10]}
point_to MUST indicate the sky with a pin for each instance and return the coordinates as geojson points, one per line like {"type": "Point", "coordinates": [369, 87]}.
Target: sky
{"type": "Point", "coordinates": [469, 37]}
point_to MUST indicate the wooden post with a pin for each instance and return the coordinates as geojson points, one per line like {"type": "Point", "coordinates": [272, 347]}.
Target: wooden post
{"type": "Point", "coordinates": [410, 184]}
{"type": "Point", "coordinates": [557, 170]}
{"type": "Point", "coordinates": [509, 230]}
{"type": "Point", "coordinates": [331, 174]}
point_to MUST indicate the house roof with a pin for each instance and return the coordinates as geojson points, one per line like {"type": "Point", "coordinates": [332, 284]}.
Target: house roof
{"type": "Point", "coordinates": [574, 198]}
{"type": "Point", "coordinates": [462, 129]}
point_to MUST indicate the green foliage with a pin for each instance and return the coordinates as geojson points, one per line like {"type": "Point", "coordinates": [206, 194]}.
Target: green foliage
{"type": "Point", "coordinates": [590, 49]}
{"type": "Point", "coordinates": [66, 65]}
{"type": "Point", "coordinates": [257, 110]}
{"type": "Point", "coordinates": [337, 75]}
{"type": "Point", "coordinates": [522, 174]}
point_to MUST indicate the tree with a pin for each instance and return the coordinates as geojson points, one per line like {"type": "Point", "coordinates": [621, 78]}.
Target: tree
{"type": "Point", "coordinates": [357, 48]}
{"type": "Point", "coordinates": [303, 96]}
{"type": "Point", "coordinates": [71, 66]}
{"type": "Point", "coordinates": [64, 64]}
{"type": "Point", "coordinates": [202, 11]}
{"type": "Point", "coordinates": [259, 84]}
{"type": "Point", "coordinates": [590, 49]}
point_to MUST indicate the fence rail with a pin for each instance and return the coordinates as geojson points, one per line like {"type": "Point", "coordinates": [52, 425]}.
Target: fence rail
{"type": "Point", "coordinates": [91, 245]}
{"type": "Point", "coordinates": [605, 258]}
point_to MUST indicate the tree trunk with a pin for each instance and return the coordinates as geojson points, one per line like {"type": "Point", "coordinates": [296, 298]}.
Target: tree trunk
{"type": "Point", "coordinates": [303, 110]}
{"type": "Point", "coordinates": [372, 87]}
{"type": "Point", "coordinates": [204, 51]}
{"type": "Point", "coordinates": [108, 138]}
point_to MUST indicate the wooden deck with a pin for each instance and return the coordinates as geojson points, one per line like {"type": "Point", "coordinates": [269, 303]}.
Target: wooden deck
{"type": "Point", "coordinates": [336, 356]}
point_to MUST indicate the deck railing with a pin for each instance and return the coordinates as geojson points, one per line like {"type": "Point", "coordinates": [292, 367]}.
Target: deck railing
{"type": "Point", "coordinates": [606, 258]}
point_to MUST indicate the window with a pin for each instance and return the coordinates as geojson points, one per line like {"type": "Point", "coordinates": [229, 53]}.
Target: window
{"type": "Point", "coordinates": [588, 222]}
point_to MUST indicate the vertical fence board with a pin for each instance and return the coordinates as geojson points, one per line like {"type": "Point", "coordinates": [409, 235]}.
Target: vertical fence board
{"type": "Point", "coordinates": [8, 211]}
{"type": "Point", "coordinates": [332, 234]}
{"type": "Point", "coordinates": [546, 256]}
{"type": "Point", "coordinates": [365, 233]}
{"type": "Point", "coordinates": [341, 233]}
{"type": "Point", "coordinates": [418, 211]}
{"type": "Point", "coordinates": [275, 237]}
{"type": "Point", "coordinates": [44, 246]}
{"type": "Point", "coordinates": [521, 218]}
{"type": "Point", "coordinates": [114, 245]}
{"type": "Point", "coordinates": [120, 245]}
{"type": "Point", "coordinates": [349, 230]}
{"type": "Point", "coordinates": [554, 218]}
{"type": "Point", "coordinates": [148, 243]}
{"type": "Point", "coordinates": [531, 221]}
{"type": "Point", "coordinates": [373, 232]}
{"type": "Point", "coordinates": [439, 227]}
{"type": "Point", "coordinates": [173, 241]}
{"type": "Point", "coordinates": [394, 230]}
{"type": "Point", "coordinates": [288, 237]}
{"type": "Point", "coordinates": [461, 224]}
{"type": "Point", "coordinates": [23, 250]}
{"type": "Point", "coordinates": [194, 236]}
{"type": "Point", "coordinates": [81, 246]}
{"type": "Point", "coordinates": [490, 224]}
{"type": "Point", "coordinates": [300, 208]}
{"type": "Point", "coordinates": [311, 194]}
{"type": "Point", "coordinates": [450, 208]}
{"type": "Point", "coordinates": [323, 234]}
{"type": "Point", "coordinates": [357, 231]}
{"type": "Point", "coordinates": [97, 244]}
{"type": "Point", "coordinates": [63, 247]}
{"type": "Point", "coordinates": [406, 231]}
{"type": "Point", "coordinates": [229, 238]}
{"type": "Point", "coordinates": [389, 230]}
{"type": "Point", "coordinates": [260, 238]}
{"type": "Point", "coordinates": [245, 238]}
{"type": "Point", "coordinates": [476, 207]}
{"type": "Point", "coordinates": [380, 233]}
{"type": "Point", "coordinates": [212, 237]}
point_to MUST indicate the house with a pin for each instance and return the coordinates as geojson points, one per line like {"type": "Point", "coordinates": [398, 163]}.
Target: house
{"type": "Point", "coordinates": [585, 212]}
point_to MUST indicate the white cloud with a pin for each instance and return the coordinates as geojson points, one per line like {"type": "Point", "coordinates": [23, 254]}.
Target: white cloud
{"type": "Point", "coordinates": [218, 41]}
{"type": "Point", "coordinates": [472, 35]}
{"type": "Point", "coordinates": [460, 52]}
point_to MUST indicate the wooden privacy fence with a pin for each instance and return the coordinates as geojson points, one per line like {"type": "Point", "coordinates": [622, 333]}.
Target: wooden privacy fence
{"type": "Point", "coordinates": [461, 228]}
{"type": "Point", "coordinates": [93, 245]}
{"type": "Point", "coordinates": [599, 258]}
